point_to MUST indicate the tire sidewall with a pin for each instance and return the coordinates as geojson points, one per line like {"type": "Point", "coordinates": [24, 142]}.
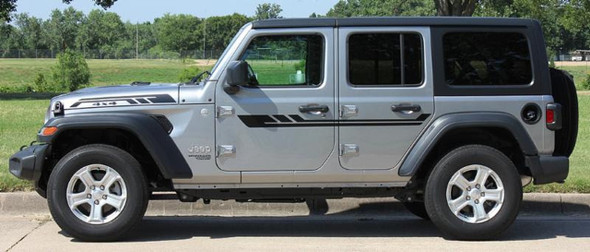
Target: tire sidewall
{"type": "Point", "coordinates": [117, 159]}
{"type": "Point", "coordinates": [435, 193]}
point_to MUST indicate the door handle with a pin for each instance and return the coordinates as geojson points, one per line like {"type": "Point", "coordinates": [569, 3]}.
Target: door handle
{"type": "Point", "coordinates": [406, 108]}
{"type": "Point", "coordinates": [315, 109]}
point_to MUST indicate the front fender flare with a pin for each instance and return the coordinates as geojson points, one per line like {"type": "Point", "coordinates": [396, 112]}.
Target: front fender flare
{"type": "Point", "coordinates": [449, 122]}
{"type": "Point", "coordinates": [145, 127]}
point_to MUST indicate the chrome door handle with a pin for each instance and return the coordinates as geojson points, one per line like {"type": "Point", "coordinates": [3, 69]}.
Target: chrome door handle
{"type": "Point", "coordinates": [406, 108]}
{"type": "Point", "coordinates": [314, 109]}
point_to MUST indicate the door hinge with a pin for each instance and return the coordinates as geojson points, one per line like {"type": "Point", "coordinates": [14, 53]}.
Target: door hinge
{"type": "Point", "coordinates": [225, 111]}
{"type": "Point", "coordinates": [225, 150]}
{"type": "Point", "coordinates": [348, 110]}
{"type": "Point", "coordinates": [349, 149]}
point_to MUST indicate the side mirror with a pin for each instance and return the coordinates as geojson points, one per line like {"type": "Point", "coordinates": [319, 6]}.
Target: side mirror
{"type": "Point", "coordinates": [237, 75]}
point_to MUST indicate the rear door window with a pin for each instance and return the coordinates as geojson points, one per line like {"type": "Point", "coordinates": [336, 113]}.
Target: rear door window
{"type": "Point", "coordinates": [392, 59]}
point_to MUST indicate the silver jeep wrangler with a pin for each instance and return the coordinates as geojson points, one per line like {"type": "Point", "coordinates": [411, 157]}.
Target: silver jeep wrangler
{"type": "Point", "coordinates": [452, 116]}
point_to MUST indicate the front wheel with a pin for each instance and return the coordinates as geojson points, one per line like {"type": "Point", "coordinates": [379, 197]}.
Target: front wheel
{"type": "Point", "coordinates": [97, 193]}
{"type": "Point", "coordinates": [473, 193]}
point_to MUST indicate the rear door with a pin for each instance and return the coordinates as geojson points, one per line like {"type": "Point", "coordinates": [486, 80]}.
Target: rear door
{"type": "Point", "coordinates": [385, 94]}
{"type": "Point", "coordinates": [285, 122]}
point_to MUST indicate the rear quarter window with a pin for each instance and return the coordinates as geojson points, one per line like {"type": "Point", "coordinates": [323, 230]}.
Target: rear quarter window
{"type": "Point", "coordinates": [487, 58]}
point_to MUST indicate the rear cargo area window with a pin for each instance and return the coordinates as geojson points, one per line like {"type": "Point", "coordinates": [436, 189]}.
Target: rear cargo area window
{"type": "Point", "coordinates": [487, 58]}
{"type": "Point", "coordinates": [385, 59]}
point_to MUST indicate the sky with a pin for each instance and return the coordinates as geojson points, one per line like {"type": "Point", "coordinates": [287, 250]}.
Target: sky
{"type": "Point", "coordinates": [146, 10]}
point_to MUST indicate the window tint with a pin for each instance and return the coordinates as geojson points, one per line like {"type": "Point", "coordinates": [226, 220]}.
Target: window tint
{"type": "Point", "coordinates": [486, 58]}
{"type": "Point", "coordinates": [286, 60]}
{"type": "Point", "coordinates": [385, 59]}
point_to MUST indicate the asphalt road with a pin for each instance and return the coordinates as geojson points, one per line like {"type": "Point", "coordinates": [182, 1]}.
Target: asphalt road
{"type": "Point", "coordinates": [305, 233]}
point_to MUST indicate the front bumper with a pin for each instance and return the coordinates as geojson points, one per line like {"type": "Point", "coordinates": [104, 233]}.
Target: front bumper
{"type": "Point", "coordinates": [28, 163]}
{"type": "Point", "coordinates": [548, 169]}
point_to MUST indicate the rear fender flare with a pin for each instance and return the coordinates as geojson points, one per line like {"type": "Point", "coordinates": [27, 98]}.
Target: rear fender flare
{"type": "Point", "coordinates": [444, 124]}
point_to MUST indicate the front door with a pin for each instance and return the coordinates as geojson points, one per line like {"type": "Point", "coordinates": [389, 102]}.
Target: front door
{"type": "Point", "coordinates": [283, 121]}
{"type": "Point", "coordinates": [385, 94]}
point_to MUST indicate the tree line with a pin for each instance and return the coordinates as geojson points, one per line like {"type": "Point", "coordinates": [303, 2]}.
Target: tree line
{"type": "Point", "coordinates": [102, 34]}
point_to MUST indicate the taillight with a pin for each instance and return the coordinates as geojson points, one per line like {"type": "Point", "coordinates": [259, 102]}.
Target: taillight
{"type": "Point", "coordinates": [553, 116]}
{"type": "Point", "coordinates": [550, 116]}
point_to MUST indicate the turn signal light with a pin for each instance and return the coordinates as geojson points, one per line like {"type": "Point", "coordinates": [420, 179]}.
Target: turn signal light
{"type": "Point", "coordinates": [48, 131]}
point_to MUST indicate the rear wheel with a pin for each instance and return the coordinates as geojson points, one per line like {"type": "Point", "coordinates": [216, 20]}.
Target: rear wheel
{"type": "Point", "coordinates": [473, 193]}
{"type": "Point", "coordinates": [97, 193]}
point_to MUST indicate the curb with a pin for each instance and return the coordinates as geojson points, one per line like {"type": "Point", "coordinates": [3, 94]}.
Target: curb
{"type": "Point", "coordinates": [534, 204]}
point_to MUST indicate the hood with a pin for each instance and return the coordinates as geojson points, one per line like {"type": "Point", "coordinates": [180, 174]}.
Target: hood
{"type": "Point", "coordinates": [122, 95]}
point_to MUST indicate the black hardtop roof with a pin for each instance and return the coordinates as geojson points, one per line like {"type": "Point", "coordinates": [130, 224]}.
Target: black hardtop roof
{"type": "Point", "coordinates": [391, 21]}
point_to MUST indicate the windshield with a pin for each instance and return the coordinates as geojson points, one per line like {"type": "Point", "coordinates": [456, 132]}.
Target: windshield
{"type": "Point", "coordinates": [233, 40]}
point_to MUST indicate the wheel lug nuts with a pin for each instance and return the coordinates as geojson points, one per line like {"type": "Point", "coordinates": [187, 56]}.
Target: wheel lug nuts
{"type": "Point", "coordinates": [469, 188]}
{"type": "Point", "coordinates": [101, 187]}
{"type": "Point", "coordinates": [476, 201]}
{"type": "Point", "coordinates": [104, 197]}
{"type": "Point", "coordinates": [483, 194]}
{"type": "Point", "coordinates": [92, 187]}
{"type": "Point", "coordinates": [96, 202]}
{"type": "Point", "coordinates": [468, 198]}
{"type": "Point", "coordinates": [477, 186]}
{"type": "Point", "coordinates": [88, 196]}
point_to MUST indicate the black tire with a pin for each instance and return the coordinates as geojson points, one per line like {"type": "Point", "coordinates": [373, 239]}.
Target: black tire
{"type": "Point", "coordinates": [129, 170]}
{"type": "Point", "coordinates": [417, 208]}
{"type": "Point", "coordinates": [436, 193]}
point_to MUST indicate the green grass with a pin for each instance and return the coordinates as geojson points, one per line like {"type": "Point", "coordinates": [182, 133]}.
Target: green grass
{"type": "Point", "coordinates": [20, 72]}
{"type": "Point", "coordinates": [19, 122]}
{"type": "Point", "coordinates": [270, 72]}
{"type": "Point", "coordinates": [579, 72]}
{"type": "Point", "coordinates": [579, 176]}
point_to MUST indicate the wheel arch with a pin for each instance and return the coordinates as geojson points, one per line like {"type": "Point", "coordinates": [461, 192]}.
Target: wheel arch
{"type": "Point", "coordinates": [499, 130]}
{"type": "Point", "coordinates": [149, 134]}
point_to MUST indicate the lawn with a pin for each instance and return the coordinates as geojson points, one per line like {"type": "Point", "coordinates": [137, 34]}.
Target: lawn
{"type": "Point", "coordinates": [580, 70]}
{"type": "Point", "coordinates": [19, 122]}
{"type": "Point", "coordinates": [20, 72]}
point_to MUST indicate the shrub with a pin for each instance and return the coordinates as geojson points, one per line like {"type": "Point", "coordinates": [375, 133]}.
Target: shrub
{"type": "Point", "coordinates": [71, 71]}
{"type": "Point", "coordinates": [188, 73]}
{"type": "Point", "coordinates": [41, 85]}
{"type": "Point", "coordinates": [586, 83]}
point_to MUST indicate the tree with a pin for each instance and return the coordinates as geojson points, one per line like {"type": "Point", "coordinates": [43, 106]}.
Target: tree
{"type": "Point", "coordinates": [268, 11]}
{"type": "Point", "coordinates": [455, 7]}
{"type": "Point", "coordinates": [9, 6]}
{"type": "Point", "coordinates": [220, 30]}
{"type": "Point", "coordinates": [354, 8]}
{"type": "Point", "coordinates": [178, 32]}
{"type": "Point", "coordinates": [62, 28]}
{"type": "Point", "coordinates": [102, 30]}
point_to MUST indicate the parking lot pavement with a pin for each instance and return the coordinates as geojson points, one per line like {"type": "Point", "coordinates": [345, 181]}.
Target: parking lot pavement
{"type": "Point", "coordinates": [299, 233]}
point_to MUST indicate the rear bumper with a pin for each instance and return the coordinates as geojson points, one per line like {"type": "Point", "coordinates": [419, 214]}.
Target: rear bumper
{"type": "Point", "coordinates": [548, 169]}
{"type": "Point", "coordinates": [27, 164]}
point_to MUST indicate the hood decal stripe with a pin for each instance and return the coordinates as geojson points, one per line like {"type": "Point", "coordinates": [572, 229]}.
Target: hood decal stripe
{"type": "Point", "coordinates": [146, 99]}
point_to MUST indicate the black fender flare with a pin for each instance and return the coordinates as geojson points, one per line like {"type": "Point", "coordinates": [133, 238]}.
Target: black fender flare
{"type": "Point", "coordinates": [146, 128]}
{"type": "Point", "coordinates": [446, 123]}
